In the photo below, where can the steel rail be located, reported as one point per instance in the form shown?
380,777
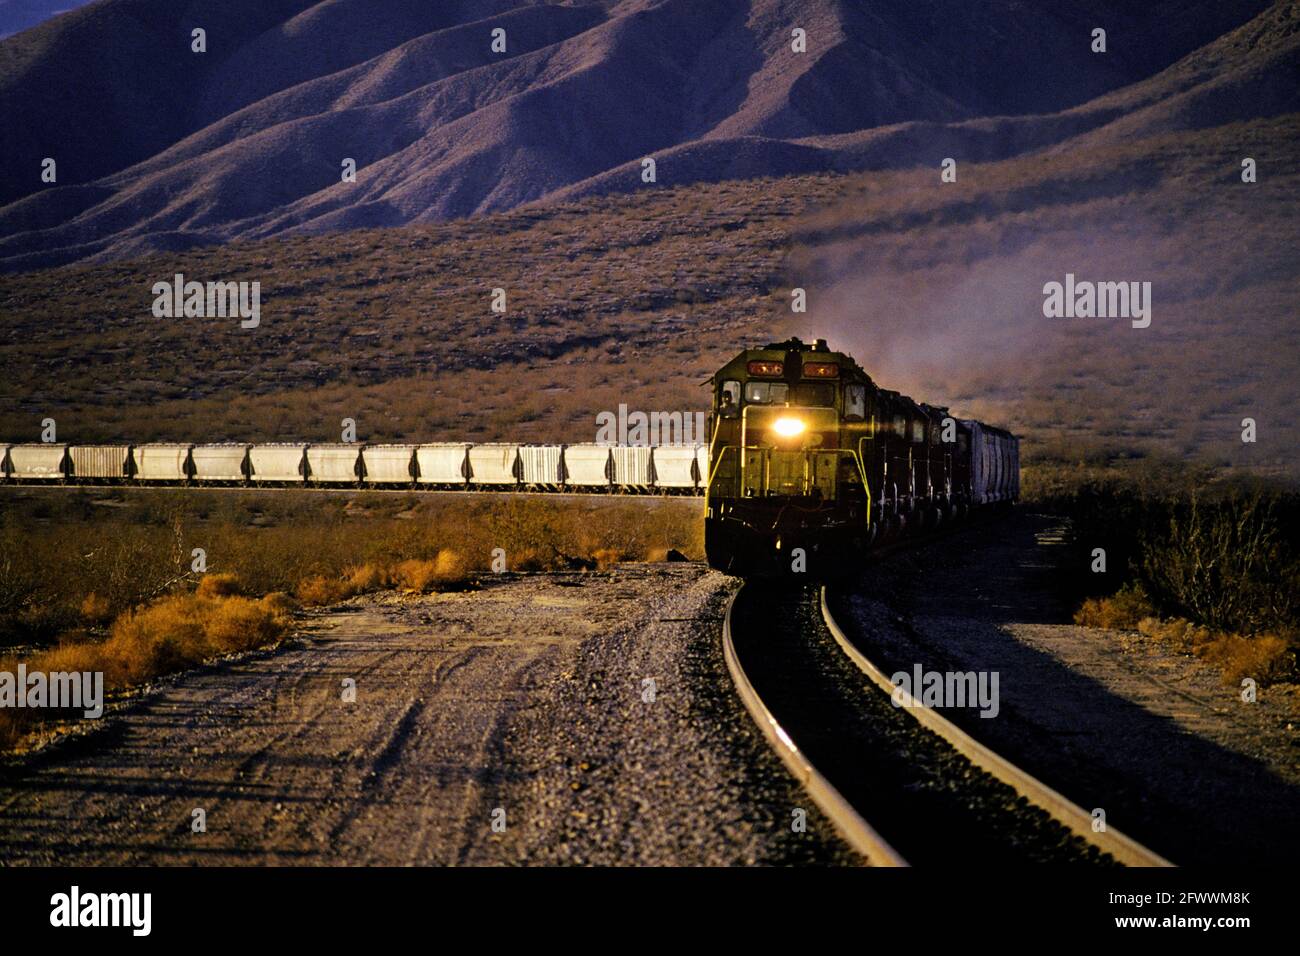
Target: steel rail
1123,848
855,830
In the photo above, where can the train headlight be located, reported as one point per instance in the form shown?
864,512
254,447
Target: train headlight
788,427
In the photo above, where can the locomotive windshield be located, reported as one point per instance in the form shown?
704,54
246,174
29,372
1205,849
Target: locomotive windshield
813,393
779,393
765,393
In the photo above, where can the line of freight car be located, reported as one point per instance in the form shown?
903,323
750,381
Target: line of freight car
628,469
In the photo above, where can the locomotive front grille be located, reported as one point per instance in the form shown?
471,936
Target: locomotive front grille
767,472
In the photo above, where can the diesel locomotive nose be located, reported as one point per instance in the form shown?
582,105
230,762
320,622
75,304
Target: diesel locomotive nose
811,463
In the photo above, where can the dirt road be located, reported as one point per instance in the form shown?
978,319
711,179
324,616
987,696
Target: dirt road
586,715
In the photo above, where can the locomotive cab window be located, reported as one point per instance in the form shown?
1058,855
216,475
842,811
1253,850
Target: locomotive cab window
855,401
729,399
765,393
820,394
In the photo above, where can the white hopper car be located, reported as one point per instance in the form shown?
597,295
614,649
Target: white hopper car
622,469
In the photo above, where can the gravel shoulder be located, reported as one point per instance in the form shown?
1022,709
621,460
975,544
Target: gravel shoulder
1111,719
590,713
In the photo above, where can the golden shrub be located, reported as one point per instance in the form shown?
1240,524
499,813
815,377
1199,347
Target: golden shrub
416,574
240,624
319,590
181,631
279,604
219,585
1264,657
365,577
166,636
69,657
1123,610
171,634
606,557
1177,632
451,567
96,609
526,560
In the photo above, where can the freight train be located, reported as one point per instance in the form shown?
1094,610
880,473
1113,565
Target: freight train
811,464
591,468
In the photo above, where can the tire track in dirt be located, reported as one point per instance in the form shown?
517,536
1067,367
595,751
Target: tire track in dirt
451,690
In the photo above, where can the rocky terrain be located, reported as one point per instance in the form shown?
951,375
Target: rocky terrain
588,715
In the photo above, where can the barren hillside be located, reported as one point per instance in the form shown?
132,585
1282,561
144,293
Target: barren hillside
159,147
625,292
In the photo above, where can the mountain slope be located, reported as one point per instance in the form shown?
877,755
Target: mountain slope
161,148
17,15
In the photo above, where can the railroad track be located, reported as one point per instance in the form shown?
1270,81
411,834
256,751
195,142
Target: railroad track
903,785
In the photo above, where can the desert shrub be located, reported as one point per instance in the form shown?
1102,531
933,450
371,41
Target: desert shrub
163,637
1124,609
526,560
171,634
241,624
451,568
182,630
1228,563
321,591
96,609
1267,658
448,570
1176,632
81,656
366,577
321,549
1229,560
280,604
219,585
416,574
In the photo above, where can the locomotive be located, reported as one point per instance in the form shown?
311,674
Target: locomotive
811,464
